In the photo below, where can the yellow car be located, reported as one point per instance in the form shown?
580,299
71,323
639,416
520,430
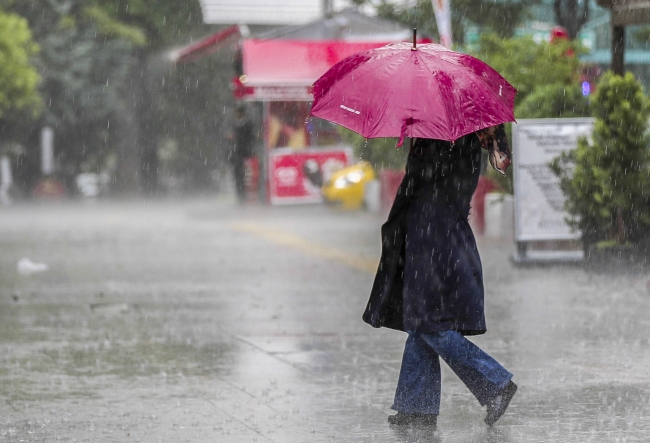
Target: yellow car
346,187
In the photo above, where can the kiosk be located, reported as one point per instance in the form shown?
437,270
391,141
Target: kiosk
278,68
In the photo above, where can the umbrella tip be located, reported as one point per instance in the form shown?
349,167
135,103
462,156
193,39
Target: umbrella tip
415,33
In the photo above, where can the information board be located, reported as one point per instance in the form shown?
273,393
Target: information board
539,202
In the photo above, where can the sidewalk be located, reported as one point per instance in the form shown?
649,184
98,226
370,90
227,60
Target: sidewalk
205,322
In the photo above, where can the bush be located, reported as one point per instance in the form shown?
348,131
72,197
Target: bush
606,182
554,101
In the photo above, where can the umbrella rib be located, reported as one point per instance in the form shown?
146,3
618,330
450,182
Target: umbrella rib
393,79
423,60
499,101
477,81
453,79
432,73
505,84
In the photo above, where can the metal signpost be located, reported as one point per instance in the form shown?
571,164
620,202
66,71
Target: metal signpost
539,202
47,151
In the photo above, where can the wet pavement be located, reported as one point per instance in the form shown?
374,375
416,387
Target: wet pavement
201,321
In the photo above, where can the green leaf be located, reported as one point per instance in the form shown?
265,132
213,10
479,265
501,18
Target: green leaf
111,27
18,77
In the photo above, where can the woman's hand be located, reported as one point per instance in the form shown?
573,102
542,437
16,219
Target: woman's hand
499,160
495,141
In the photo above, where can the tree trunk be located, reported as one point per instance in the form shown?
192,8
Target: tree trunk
148,135
569,15
618,49
621,234
124,135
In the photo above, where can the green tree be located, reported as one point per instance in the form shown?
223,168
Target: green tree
113,96
82,71
529,65
493,16
606,182
153,24
18,77
500,17
161,24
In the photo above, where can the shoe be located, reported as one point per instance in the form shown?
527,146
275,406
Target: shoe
404,419
498,405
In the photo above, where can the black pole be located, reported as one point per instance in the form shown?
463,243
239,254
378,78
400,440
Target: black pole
415,33
618,49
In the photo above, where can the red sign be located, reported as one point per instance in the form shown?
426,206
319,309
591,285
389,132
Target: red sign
297,176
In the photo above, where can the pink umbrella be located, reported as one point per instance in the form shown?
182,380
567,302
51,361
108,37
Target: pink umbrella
402,90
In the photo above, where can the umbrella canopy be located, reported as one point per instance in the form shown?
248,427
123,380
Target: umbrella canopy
426,91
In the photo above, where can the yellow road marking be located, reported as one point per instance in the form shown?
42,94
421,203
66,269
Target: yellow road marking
305,246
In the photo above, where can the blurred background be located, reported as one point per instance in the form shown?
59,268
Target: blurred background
121,98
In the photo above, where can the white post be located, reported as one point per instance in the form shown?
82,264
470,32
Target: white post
442,11
6,180
47,151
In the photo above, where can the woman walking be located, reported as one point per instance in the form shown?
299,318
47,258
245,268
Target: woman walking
430,281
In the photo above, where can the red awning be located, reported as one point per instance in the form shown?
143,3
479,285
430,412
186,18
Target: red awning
278,69
207,46
294,62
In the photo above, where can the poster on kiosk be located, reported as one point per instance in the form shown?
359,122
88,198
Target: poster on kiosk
297,170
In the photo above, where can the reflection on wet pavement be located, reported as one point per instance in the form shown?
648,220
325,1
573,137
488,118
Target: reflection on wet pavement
163,322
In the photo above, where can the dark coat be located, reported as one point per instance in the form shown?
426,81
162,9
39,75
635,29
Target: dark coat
430,277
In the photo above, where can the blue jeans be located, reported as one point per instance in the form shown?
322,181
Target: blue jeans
418,387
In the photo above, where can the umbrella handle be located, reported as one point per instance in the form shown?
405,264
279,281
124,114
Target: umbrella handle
415,32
